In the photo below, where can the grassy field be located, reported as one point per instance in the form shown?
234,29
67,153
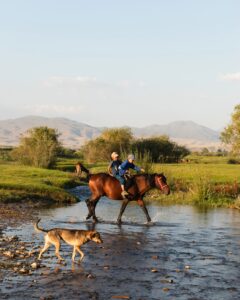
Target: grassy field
21,182
202,180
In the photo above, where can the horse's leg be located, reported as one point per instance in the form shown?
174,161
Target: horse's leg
91,204
124,205
93,209
142,205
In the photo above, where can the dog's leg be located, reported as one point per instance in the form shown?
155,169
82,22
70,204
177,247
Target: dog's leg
74,253
46,246
80,252
57,246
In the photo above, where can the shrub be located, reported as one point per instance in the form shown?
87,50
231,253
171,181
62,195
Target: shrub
38,148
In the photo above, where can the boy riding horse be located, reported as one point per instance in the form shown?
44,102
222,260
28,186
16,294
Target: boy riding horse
119,170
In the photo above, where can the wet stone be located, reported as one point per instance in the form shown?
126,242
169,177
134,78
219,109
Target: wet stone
90,276
154,270
120,297
34,265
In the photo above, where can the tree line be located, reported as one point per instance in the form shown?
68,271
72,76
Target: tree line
40,147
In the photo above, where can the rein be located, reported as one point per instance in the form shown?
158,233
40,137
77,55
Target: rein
162,186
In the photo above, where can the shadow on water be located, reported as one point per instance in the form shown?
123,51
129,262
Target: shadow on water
184,254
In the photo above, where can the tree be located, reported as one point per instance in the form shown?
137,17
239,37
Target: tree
39,147
114,139
160,149
231,134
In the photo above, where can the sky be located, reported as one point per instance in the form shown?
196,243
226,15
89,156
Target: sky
117,63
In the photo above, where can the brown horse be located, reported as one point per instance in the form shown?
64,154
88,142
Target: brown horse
102,184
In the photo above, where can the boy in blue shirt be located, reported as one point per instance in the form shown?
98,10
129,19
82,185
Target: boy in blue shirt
123,168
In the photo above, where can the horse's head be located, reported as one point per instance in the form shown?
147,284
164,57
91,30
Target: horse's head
161,183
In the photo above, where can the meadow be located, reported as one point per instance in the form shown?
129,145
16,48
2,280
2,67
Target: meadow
18,182
202,180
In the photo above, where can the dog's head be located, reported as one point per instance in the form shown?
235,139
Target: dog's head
95,237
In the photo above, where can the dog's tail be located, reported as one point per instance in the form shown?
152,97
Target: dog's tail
37,228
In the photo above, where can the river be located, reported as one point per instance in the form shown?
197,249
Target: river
187,253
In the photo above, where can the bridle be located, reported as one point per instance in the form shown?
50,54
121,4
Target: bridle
158,181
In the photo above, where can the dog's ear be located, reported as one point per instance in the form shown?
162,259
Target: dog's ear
92,234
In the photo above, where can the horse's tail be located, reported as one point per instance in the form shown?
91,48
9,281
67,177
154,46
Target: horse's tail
37,228
84,169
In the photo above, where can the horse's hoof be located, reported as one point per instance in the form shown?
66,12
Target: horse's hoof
149,223
95,220
119,222
88,217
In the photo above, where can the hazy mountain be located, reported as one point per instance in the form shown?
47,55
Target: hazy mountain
180,129
74,134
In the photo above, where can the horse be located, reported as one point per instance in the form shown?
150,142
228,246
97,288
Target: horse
103,184
79,168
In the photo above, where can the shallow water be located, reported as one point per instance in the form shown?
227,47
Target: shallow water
194,253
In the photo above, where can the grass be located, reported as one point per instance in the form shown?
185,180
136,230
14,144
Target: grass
204,181
22,182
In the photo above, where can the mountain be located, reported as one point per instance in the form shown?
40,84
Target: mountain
187,133
74,134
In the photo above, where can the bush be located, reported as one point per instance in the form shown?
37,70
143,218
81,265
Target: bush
160,149
38,148
233,161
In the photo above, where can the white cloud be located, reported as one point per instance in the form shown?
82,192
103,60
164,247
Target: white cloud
231,76
59,109
90,81
69,81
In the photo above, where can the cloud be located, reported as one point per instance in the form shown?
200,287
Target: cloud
90,81
59,109
231,76
54,81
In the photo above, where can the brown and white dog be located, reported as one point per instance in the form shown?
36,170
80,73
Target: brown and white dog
73,237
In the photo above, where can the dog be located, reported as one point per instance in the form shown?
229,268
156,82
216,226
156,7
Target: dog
73,237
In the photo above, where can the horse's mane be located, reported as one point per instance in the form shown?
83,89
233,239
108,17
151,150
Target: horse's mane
148,177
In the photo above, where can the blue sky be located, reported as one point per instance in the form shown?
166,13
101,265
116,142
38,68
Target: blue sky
115,63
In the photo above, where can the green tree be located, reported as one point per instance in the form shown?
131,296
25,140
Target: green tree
39,147
231,134
114,139
160,149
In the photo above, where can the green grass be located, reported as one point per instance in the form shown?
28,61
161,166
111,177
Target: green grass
205,181
22,182
211,184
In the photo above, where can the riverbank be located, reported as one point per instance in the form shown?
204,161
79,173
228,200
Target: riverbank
22,183
211,182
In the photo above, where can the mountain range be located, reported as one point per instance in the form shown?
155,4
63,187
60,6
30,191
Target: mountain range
74,134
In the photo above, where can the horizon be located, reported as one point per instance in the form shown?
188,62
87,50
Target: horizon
109,64
124,125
